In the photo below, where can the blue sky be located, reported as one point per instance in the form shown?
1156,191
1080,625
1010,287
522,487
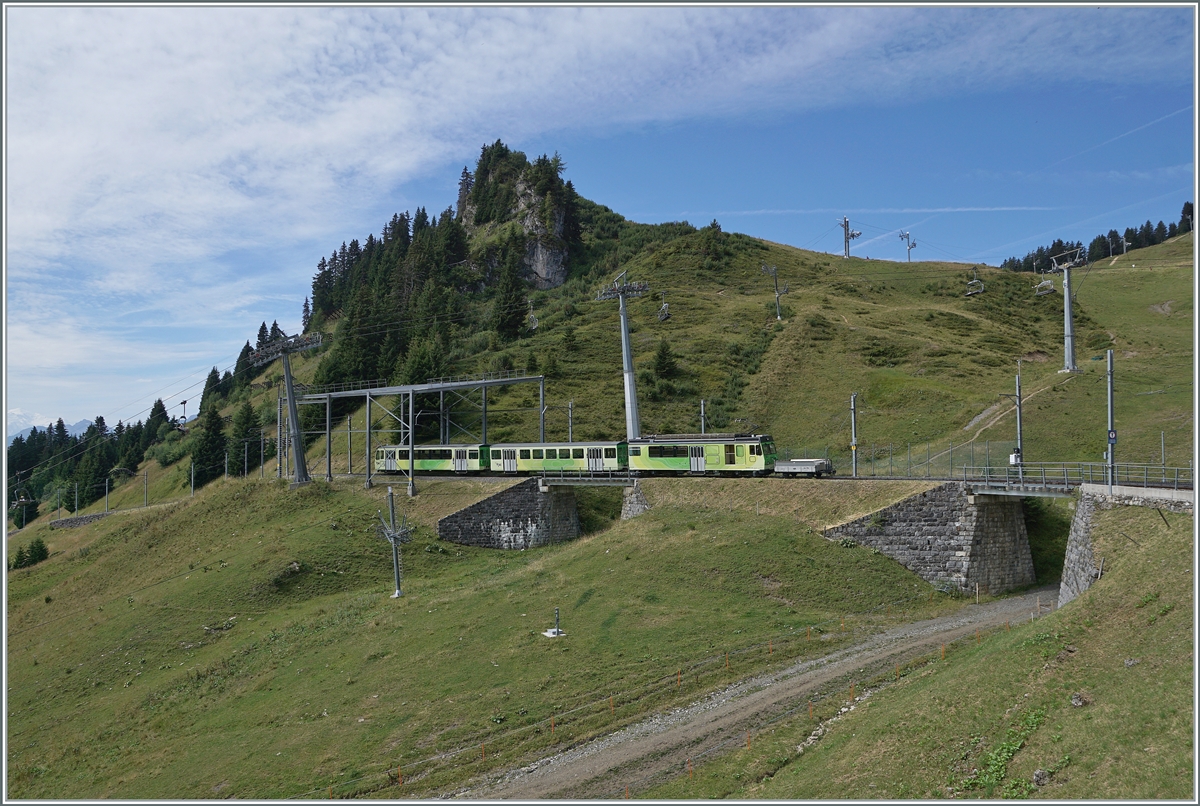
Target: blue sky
173,175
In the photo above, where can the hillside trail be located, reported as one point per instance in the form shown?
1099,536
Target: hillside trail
662,744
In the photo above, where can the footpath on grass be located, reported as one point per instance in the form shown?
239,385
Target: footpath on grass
638,756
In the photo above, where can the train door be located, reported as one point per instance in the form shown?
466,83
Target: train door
460,460
696,458
510,460
389,460
595,458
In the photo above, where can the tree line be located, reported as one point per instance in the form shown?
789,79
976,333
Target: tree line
1105,245
48,466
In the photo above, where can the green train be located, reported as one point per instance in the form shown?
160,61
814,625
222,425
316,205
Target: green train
660,454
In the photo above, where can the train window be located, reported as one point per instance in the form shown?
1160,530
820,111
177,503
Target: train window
655,452
610,453
635,450
741,450
577,453
537,453
524,453
496,455
551,453
730,455
472,454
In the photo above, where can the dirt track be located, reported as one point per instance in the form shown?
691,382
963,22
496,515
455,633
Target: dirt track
660,745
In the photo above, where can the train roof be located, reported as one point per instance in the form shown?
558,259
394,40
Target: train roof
576,444
697,438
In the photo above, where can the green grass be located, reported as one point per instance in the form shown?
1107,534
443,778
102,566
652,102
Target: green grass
979,723
309,675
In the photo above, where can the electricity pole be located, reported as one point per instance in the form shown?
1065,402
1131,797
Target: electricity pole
909,243
771,270
1112,430
853,435
396,536
850,234
1018,455
619,291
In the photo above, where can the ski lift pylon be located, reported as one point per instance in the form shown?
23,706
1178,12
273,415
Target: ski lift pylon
533,322
664,313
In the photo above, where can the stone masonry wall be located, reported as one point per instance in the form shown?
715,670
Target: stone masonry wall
633,502
72,523
949,539
1079,567
520,517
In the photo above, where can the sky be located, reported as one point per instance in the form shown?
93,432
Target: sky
174,174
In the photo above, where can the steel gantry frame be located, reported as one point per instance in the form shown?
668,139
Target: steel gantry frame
405,414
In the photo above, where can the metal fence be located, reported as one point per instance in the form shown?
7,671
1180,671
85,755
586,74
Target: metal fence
1072,474
938,460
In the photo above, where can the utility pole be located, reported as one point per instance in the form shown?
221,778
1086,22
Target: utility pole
570,421
1112,429
193,479
1018,455
702,423
853,435
850,234
909,243
76,498
619,290
774,274
396,536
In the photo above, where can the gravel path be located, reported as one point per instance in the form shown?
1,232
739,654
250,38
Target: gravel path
661,744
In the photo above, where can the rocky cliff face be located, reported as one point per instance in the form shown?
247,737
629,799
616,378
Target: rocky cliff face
545,249
543,225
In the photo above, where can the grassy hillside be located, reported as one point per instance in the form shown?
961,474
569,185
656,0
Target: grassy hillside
243,643
979,723
925,360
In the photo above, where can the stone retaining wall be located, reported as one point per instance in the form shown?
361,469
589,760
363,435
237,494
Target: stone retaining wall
520,517
634,502
73,523
950,538
1079,567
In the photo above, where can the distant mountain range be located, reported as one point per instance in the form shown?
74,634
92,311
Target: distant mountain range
74,430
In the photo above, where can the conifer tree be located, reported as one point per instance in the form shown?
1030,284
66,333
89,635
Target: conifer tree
243,370
276,333
305,316
509,308
211,390
665,365
1185,218
37,551
263,336
246,432
208,451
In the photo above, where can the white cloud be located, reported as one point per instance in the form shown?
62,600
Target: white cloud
149,150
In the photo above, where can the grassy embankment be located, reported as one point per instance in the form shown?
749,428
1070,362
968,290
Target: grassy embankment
979,723
243,642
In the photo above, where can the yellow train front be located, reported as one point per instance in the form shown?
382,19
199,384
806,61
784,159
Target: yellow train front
718,454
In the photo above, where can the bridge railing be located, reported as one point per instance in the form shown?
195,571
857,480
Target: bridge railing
1072,474
613,477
